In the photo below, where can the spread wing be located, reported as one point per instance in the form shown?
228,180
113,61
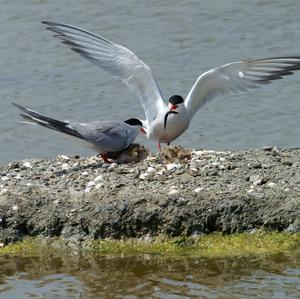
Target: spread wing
237,77
116,60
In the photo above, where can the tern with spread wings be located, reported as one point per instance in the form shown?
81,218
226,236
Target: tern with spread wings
165,122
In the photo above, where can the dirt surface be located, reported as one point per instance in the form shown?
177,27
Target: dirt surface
181,192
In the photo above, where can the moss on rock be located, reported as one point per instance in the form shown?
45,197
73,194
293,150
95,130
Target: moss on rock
213,245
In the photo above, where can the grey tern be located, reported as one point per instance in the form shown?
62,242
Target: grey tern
107,137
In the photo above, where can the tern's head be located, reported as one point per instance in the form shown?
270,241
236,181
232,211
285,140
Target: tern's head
174,102
136,123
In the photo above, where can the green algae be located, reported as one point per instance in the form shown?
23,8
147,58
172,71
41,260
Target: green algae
213,245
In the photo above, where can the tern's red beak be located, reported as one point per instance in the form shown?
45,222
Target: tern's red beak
143,131
172,107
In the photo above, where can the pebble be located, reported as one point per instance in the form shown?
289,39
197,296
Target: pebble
63,157
143,176
1,245
15,208
199,189
27,165
161,171
258,182
255,180
85,173
90,184
98,186
113,165
198,153
151,170
5,178
105,165
65,166
172,166
194,171
87,189
173,193
271,185
98,178
3,191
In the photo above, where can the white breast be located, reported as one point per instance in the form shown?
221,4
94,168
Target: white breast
176,125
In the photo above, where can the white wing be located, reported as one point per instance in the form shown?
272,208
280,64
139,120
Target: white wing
116,60
236,77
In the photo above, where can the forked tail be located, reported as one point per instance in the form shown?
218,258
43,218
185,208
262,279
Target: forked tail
45,121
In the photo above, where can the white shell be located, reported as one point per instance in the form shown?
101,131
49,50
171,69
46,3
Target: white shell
65,166
27,165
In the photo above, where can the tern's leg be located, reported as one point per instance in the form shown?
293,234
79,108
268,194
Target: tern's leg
158,146
104,157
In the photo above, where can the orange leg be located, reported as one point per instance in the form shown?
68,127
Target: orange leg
104,157
158,146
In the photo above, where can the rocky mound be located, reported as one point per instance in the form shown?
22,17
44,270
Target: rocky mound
179,192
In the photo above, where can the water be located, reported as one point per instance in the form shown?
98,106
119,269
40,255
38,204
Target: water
148,276
178,39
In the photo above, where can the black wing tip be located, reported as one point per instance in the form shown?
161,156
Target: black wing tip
26,116
53,26
278,57
19,106
15,104
50,23
80,51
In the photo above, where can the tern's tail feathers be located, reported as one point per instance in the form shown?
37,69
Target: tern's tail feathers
45,121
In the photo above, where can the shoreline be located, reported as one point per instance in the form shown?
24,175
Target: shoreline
214,245
182,193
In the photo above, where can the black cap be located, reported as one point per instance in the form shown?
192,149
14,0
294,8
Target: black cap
133,122
174,100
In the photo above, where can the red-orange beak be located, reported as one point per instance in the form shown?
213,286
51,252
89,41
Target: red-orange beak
143,131
172,107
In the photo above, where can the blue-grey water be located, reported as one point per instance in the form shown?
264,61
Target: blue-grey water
179,40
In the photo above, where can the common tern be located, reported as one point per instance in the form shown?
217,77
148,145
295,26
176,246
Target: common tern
107,137
166,122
